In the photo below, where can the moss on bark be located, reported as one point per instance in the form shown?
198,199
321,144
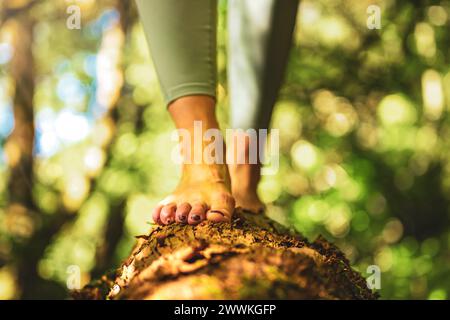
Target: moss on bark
251,258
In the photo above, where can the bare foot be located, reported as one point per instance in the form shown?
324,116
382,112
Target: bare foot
244,177
204,191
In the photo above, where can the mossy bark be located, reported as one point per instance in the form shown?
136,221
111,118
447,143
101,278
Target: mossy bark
251,258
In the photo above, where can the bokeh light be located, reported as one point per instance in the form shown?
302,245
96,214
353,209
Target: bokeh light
364,140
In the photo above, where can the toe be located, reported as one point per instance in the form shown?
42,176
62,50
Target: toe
218,216
182,212
222,208
156,215
197,213
167,215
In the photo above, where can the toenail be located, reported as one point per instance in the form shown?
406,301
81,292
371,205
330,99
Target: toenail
196,217
182,218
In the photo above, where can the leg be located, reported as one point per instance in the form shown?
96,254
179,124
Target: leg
182,41
260,39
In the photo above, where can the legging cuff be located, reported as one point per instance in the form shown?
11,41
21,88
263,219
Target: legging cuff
189,89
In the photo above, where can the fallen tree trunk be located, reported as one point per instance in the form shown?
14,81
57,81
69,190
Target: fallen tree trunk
252,258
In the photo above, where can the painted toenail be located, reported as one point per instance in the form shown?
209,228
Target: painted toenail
196,217
182,218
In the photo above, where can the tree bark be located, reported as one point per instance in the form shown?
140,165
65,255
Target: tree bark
251,258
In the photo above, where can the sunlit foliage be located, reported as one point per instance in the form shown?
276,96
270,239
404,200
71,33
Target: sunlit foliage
363,120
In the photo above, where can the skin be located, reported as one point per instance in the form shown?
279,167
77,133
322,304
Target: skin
206,191
244,177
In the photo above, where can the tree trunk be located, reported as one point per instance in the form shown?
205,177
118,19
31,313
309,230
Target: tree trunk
252,258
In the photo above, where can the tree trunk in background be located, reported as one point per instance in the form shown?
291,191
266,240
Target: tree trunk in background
252,258
21,211
115,223
19,146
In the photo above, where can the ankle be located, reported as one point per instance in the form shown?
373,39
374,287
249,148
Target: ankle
201,172
186,110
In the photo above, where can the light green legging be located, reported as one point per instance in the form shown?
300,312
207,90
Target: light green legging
182,40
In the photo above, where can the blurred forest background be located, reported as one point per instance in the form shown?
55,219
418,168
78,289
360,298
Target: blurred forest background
364,124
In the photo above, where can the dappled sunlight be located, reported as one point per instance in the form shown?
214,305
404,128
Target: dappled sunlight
433,96
363,119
